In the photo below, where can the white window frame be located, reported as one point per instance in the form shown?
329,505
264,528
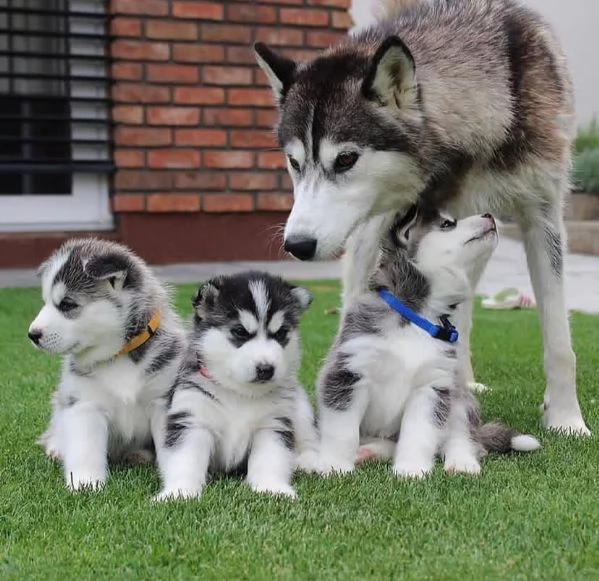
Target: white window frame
88,205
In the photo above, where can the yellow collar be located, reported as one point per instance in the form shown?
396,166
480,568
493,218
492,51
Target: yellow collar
144,336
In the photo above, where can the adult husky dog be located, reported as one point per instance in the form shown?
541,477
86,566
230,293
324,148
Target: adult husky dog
121,342
462,104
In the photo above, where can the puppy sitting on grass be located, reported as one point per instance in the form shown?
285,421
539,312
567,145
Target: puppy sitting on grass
237,404
111,320
390,381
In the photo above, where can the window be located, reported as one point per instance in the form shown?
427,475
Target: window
54,115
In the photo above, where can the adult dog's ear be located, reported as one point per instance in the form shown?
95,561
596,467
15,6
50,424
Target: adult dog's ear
391,78
279,70
206,296
113,267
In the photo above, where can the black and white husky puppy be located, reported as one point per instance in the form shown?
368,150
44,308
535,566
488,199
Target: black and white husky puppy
112,321
392,372
237,404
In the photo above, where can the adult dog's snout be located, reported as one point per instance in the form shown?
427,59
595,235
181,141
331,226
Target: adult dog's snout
302,247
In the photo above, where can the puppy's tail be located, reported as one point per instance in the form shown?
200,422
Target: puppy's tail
385,9
500,439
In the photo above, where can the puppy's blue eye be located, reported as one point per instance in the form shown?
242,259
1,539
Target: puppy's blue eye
67,305
240,332
448,225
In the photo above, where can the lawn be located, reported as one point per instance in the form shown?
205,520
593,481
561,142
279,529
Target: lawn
526,517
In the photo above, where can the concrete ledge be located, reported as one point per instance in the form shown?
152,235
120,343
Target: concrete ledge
583,236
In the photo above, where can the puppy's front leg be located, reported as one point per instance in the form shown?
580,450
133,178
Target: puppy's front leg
421,431
271,462
84,445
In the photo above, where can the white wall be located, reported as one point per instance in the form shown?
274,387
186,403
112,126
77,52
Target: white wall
575,21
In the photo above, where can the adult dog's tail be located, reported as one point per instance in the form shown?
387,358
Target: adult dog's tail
385,9
498,438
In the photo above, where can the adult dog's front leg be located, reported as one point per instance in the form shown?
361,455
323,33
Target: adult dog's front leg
84,445
544,239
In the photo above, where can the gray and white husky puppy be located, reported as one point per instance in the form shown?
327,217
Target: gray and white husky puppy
392,372
460,104
237,404
112,321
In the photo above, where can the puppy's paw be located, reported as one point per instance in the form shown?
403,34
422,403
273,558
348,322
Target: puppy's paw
273,487
476,387
412,469
331,467
50,446
169,494
307,461
85,480
463,465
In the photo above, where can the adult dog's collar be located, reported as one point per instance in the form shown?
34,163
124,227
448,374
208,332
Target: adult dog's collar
444,332
143,337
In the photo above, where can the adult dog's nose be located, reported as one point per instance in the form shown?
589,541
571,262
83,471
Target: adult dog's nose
35,336
302,247
264,372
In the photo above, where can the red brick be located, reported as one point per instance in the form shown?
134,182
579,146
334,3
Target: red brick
200,137
128,114
241,55
129,158
251,13
169,30
252,180
260,78
304,17
143,180
228,203
135,50
226,33
173,116
266,118
229,159
331,3
200,180
256,97
141,7
286,183
201,10
140,93
322,39
256,138
127,71
198,53
142,136
129,203
174,158
280,36
227,75
173,203
274,202
125,27
272,160
199,95
286,2
228,117
342,20
184,74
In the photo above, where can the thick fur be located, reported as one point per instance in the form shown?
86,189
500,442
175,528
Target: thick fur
98,295
386,379
461,104
246,409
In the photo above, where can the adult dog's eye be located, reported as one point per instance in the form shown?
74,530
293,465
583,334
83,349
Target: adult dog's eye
345,161
67,305
448,224
240,332
294,163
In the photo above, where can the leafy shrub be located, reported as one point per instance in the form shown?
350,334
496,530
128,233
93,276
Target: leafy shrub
585,173
587,139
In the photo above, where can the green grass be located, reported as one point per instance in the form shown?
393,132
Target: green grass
526,517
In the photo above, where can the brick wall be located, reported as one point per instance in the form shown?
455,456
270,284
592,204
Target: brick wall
193,113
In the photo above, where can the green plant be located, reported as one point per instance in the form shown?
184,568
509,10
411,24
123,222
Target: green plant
585,173
587,138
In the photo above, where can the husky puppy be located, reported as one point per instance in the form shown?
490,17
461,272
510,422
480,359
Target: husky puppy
121,342
237,404
392,370
460,104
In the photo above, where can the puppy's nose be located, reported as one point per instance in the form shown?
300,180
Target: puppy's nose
489,217
35,336
264,372
302,247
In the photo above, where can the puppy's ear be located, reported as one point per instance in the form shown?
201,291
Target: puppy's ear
391,78
41,269
279,70
303,296
206,296
398,235
113,267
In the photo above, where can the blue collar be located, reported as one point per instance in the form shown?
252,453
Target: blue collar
445,332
